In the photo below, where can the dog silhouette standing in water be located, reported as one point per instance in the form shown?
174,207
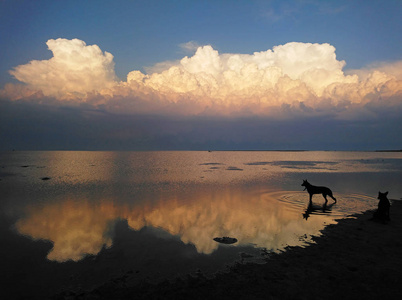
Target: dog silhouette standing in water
312,189
382,213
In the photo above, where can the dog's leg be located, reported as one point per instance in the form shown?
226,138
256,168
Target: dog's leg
325,197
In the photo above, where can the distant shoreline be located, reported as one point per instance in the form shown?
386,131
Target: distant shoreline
388,151
201,150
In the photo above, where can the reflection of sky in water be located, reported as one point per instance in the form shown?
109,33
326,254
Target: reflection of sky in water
193,196
184,167
82,227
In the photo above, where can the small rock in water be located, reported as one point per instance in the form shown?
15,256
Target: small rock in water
225,240
45,178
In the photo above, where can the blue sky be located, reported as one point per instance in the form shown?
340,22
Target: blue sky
142,33
139,34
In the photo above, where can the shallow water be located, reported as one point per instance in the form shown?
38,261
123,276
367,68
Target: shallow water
69,215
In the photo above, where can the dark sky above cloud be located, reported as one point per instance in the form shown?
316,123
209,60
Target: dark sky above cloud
27,126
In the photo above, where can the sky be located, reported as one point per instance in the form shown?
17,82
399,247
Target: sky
201,75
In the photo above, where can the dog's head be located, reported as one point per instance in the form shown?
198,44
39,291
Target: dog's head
382,195
305,184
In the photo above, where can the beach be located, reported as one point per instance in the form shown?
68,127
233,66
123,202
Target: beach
357,258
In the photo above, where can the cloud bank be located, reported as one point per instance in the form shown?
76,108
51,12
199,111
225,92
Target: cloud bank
207,100
74,70
300,78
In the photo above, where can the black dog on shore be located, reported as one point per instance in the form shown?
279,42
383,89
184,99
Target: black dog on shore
382,212
312,189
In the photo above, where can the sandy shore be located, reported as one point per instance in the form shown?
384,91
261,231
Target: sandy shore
354,259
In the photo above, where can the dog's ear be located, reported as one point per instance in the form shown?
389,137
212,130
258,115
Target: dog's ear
386,193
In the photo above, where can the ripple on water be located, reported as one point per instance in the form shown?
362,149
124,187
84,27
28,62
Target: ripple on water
346,205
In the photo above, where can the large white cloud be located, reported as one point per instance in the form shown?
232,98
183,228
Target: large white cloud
74,70
307,67
294,74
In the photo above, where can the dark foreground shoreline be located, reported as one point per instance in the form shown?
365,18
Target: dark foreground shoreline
354,259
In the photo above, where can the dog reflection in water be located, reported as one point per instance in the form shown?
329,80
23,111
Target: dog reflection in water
313,209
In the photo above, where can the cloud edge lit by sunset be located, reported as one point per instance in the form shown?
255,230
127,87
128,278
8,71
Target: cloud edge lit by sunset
301,76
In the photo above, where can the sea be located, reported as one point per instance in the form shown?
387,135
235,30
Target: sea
71,221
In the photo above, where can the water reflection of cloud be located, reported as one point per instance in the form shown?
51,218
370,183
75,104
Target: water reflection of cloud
77,228
77,167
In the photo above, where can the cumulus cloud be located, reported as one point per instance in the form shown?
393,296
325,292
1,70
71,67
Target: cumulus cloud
74,70
390,68
301,77
190,46
284,68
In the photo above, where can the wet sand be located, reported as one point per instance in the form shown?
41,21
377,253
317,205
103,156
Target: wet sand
355,259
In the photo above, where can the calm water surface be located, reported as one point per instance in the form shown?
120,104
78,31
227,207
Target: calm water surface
73,220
